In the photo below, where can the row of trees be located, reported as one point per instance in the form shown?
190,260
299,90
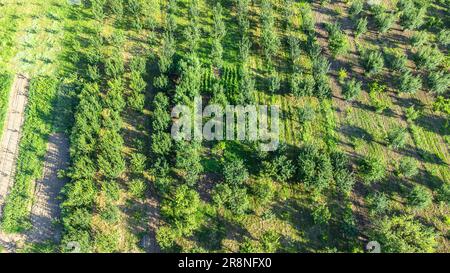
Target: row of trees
97,160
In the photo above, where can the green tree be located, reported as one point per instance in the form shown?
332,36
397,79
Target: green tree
408,83
403,234
439,82
372,169
352,89
372,62
419,197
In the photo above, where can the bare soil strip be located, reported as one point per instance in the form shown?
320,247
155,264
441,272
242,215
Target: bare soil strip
45,207
10,145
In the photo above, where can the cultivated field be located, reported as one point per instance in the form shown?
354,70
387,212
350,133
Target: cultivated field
363,91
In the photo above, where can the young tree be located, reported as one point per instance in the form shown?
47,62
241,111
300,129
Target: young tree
314,168
412,13
372,62
408,167
217,36
356,8
378,204
182,210
337,40
188,161
408,83
361,26
420,197
270,41
397,137
428,57
352,89
439,82
372,169
384,19
396,60
403,234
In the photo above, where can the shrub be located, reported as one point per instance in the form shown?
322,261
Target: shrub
306,114
411,113
321,214
397,137
372,62
419,197
137,188
444,37
314,168
428,57
408,167
443,193
439,82
342,75
409,83
396,60
274,81
337,40
385,20
403,234
372,169
356,8
344,180
280,168
302,85
137,164
378,204
361,26
352,89
412,16
419,38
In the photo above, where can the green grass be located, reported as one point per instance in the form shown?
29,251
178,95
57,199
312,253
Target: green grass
5,88
33,147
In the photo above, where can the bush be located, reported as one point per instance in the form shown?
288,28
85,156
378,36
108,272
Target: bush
306,114
412,16
351,89
137,164
428,57
321,214
137,188
403,234
372,62
361,26
409,83
444,37
396,60
439,81
443,193
337,40
378,204
408,167
314,168
419,197
356,8
302,85
419,38
385,20
397,137
372,169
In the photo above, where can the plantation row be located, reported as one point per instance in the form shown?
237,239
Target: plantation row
5,88
37,127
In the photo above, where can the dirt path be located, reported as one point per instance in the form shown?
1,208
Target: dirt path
10,144
45,207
